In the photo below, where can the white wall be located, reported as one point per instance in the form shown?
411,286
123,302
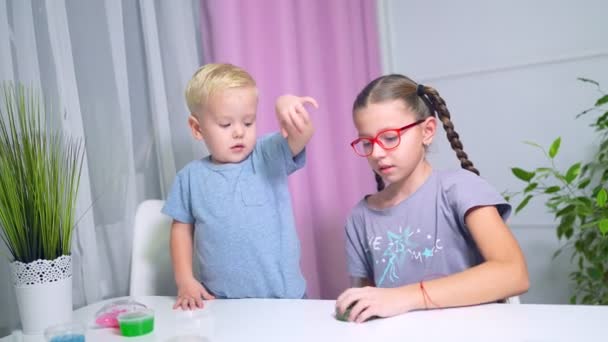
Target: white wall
507,70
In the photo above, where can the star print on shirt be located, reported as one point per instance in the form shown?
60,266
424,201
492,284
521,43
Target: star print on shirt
400,246
427,253
397,246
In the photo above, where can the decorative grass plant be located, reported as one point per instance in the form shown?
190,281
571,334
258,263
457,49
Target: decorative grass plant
40,170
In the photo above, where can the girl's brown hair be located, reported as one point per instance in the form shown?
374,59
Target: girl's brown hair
424,101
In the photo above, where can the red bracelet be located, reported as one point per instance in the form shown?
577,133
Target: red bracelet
425,296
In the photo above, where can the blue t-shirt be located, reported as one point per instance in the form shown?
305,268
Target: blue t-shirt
244,231
424,236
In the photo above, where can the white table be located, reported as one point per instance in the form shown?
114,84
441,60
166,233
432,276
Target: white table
313,320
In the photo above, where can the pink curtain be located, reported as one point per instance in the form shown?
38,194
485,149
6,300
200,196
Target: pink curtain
325,49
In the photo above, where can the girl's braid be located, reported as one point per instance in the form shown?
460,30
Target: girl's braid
444,116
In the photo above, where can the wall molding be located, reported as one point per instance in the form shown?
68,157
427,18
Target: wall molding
543,61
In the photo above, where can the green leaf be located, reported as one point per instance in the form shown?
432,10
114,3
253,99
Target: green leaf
561,231
601,100
573,172
600,122
573,300
530,187
554,202
568,220
601,198
523,203
579,246
522,174
552,189
584,211
587,299
589,224
583,201
555,147
603,226
565,227
604,117
594,273
565,210
605,175
583,184
533,144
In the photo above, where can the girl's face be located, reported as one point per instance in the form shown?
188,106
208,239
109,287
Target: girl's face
397,164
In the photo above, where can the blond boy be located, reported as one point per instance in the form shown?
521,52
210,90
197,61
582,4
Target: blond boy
232,210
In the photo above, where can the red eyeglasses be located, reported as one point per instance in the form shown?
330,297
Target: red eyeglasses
388,139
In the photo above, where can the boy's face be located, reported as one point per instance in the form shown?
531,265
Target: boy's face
227,124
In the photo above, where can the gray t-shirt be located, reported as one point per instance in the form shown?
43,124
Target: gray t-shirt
244,229
424,236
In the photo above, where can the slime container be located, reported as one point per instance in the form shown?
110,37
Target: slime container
106,317
67,332
136,323
344,316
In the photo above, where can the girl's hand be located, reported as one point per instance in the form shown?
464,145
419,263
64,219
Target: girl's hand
293,116
372,301
190,294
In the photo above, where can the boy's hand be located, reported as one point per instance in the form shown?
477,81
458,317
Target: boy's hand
371,301
292,115
190,294
294,120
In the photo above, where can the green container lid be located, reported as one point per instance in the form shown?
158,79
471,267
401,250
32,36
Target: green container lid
344,316
136,323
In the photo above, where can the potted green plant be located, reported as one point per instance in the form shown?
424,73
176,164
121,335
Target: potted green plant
40,172
578,199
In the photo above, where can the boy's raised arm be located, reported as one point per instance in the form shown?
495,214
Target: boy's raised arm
294,120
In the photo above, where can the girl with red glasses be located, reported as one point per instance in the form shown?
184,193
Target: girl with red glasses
427,238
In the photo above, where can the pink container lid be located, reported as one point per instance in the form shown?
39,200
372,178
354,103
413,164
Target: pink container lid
107,316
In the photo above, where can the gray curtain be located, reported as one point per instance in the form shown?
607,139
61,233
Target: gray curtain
114,71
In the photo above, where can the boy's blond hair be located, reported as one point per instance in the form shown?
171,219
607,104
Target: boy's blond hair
214,77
